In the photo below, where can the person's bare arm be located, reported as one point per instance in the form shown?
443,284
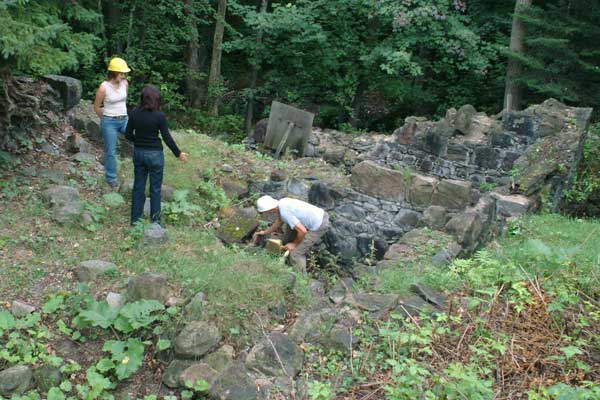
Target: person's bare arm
300,233
100,93
274,226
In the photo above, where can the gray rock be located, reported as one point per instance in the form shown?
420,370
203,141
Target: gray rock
445,256
60,195
511,206
316,288
87,122
196,372
196,307
276,355
227,168
84,158
452,194
91,269
75,144
70,89
114,300
221,359
486,157
377,181
341,289
234,188
340,338
68,214
322,196
148,286
176,367
374,248
297,187
428,294
421,190
47,377
196,339
234,384
155,235
351,212
260,130
463,118
413,306
49,149
15,380
407,219
20,309
434,217
65,203
56,177
374,302
311,325
466,227
239,226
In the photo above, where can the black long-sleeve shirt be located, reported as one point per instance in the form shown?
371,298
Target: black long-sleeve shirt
143,128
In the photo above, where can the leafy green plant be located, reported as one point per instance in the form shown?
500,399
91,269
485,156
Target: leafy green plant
320,390
213,198
180,209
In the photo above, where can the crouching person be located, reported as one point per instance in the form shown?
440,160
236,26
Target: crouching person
308,222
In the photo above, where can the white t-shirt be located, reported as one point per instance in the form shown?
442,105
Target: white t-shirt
293,211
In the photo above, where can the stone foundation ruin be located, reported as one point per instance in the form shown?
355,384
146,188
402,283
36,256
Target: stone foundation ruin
463,175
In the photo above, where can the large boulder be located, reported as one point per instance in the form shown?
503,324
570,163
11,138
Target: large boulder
421,190
452,193
512,205
196,339
239,226
553,159
86,121
234,383
148,286
47,377
173,372
70,89
65,203
15,380
466,228
276,355
377,181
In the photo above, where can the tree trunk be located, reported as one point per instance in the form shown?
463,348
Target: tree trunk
130,30
254,76
113,16
215,64
512,92
192,84
103,29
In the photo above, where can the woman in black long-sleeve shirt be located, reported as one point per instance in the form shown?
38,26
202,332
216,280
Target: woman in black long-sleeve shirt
143,127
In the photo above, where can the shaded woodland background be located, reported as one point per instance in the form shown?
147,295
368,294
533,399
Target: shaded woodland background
359,64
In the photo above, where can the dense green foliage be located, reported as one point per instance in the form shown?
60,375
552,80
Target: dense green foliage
360,63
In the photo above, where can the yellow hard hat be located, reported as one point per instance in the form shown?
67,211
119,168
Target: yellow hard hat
118,65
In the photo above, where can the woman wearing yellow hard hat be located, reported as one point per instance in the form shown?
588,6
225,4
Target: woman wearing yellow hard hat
111,106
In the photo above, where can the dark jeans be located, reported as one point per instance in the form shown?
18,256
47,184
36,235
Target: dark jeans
147,162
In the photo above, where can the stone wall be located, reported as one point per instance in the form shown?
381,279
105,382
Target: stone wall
429,174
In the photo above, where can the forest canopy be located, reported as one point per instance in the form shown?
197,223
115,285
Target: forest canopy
358,64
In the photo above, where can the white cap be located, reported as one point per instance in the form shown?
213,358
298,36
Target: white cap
266,203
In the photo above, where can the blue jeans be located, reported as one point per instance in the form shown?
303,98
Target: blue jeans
111,128
147,162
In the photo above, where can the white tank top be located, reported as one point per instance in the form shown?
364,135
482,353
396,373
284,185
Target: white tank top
115,99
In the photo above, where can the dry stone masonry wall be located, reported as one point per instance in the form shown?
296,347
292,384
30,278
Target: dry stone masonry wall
437,174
